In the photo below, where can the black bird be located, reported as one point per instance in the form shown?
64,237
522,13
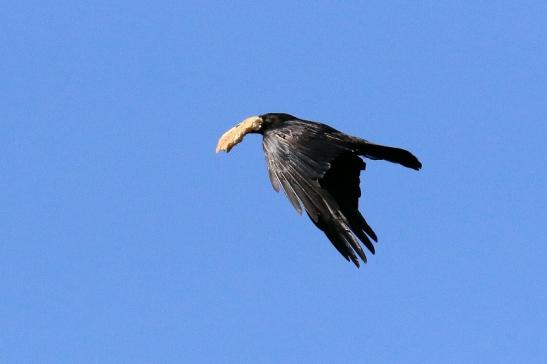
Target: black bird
318,167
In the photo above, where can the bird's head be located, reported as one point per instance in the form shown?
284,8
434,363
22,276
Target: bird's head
253,124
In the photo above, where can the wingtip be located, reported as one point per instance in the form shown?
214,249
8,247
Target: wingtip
413,163
357,262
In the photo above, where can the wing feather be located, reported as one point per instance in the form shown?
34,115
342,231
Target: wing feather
321,175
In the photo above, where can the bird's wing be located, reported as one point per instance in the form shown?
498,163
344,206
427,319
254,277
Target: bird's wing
321,175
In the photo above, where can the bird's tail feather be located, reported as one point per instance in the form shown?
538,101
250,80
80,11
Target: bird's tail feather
390,154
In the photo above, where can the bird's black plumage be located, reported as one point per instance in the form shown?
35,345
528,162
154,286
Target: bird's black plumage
318,167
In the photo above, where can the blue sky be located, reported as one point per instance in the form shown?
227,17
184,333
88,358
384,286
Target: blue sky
125,239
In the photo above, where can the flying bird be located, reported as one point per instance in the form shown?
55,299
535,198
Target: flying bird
318,167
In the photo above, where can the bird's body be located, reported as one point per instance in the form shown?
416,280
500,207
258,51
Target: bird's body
318,167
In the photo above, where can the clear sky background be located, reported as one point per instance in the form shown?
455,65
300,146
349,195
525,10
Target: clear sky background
125,239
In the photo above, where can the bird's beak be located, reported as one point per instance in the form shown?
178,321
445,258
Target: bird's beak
235,135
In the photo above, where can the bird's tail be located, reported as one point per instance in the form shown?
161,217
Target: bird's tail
390,154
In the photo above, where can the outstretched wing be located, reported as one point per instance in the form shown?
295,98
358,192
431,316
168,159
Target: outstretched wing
319,173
